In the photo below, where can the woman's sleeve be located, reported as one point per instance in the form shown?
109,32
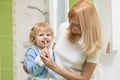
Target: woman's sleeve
95,58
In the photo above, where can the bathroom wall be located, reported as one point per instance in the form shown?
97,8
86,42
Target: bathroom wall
62,10
110,66
109,15
58,12
72,2
13,47
6,50
25,15
105,14
115,24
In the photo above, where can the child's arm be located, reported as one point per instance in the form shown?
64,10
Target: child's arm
39,61
31,65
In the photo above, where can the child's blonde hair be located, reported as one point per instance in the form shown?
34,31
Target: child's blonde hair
41,26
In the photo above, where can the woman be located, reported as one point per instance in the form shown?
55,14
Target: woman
78,45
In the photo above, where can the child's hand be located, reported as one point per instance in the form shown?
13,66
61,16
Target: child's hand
45,52
45,44
45,49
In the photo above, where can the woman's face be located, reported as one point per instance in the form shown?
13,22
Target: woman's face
75,28
43,39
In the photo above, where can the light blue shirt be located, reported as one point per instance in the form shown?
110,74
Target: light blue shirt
34,68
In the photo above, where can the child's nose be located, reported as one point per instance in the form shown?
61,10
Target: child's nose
45,36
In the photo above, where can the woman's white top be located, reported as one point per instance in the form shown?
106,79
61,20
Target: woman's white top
68,55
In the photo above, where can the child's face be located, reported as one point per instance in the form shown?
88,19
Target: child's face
43,38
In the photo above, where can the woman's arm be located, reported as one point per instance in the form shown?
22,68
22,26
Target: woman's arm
86,73
67,74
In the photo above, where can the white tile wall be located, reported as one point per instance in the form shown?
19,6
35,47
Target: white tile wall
23,19
110,66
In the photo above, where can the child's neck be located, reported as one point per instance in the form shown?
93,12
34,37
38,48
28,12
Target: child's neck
42,48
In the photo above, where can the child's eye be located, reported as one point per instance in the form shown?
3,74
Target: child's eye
48,35
41,34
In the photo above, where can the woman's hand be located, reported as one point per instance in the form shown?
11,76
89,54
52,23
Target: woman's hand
48,61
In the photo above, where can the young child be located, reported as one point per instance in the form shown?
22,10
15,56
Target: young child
41,36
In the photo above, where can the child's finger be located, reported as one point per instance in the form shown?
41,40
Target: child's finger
45,43
43,57
45,52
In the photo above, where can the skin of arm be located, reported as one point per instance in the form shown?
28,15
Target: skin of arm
86,73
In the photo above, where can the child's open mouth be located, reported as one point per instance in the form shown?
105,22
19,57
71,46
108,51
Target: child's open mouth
45,42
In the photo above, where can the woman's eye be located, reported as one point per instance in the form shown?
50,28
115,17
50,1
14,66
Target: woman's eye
75,25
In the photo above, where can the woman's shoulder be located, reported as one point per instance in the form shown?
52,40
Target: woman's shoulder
65,24
61,31
63,27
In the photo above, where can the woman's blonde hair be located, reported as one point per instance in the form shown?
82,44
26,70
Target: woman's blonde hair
85,14
41,26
